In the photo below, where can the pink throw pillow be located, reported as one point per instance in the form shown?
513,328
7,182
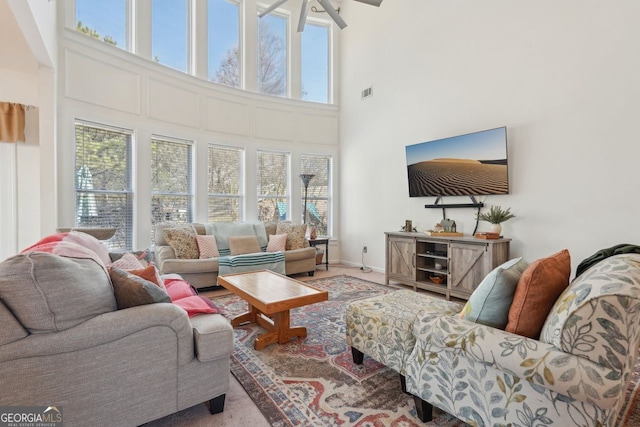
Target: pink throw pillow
277,242
179,289
207,246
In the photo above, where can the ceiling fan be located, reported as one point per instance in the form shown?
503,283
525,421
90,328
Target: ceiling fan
304,10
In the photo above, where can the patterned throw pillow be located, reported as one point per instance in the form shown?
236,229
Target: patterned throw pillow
538,289
183,242
277,243
295,234
489,304
207,246
127,261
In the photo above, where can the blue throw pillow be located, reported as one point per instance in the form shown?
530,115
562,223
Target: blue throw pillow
489,304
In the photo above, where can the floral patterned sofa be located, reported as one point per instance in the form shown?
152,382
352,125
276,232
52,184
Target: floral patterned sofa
574,374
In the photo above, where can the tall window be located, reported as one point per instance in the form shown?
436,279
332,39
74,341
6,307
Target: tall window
104,20
224,39
318,192
171,181
315,63
103,181
170,33
272,176
272,55
226,195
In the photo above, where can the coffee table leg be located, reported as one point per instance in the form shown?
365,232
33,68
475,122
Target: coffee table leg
285,331
247,317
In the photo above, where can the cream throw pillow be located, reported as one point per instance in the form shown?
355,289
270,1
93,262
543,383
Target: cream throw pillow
240,245
295,234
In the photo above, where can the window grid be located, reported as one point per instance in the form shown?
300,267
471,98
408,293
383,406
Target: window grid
104,196
225,183
171,182
272,175
318,192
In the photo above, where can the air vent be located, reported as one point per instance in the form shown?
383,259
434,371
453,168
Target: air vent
368,92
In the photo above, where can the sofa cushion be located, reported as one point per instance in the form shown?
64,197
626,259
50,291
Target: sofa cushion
131,290
489,304
240,245
295,234
207,247
212,336
48,292
277,242
538,289
182,240
11,329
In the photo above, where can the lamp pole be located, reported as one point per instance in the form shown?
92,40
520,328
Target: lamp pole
306,179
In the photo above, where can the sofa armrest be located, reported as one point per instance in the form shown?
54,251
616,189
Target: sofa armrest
213,336
105,328
543,365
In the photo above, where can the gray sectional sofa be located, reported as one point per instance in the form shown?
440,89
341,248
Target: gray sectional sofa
202,273
64,343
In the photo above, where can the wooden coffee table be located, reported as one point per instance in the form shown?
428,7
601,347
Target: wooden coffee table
270,297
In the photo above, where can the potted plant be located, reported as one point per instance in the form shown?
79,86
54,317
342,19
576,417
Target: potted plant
496,216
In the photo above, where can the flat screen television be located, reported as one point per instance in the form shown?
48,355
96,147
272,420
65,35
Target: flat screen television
466,165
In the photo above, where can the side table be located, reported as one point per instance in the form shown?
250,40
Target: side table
322,241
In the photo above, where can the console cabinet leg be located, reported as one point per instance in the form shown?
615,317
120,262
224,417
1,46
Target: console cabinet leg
403,384
358,356
424,409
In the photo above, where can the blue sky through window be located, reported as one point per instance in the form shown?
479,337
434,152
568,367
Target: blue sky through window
107,17
223,27
169,33
315,63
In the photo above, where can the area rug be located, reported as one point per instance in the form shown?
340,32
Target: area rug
313,381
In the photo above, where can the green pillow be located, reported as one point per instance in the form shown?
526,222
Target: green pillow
489,304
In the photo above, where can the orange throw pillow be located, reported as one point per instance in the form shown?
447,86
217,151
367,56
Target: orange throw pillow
538,290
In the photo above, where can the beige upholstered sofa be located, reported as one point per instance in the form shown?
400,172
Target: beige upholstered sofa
64,343
203,273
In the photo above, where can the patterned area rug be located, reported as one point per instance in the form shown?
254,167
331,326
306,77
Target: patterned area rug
313,381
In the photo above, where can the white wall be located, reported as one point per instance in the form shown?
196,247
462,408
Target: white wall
563,78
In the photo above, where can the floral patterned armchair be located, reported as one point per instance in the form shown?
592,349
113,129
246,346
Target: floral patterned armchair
575,374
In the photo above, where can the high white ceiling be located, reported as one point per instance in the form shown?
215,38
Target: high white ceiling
15,53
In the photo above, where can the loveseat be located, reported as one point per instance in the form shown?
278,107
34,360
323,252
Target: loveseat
64,343
203,273
574,373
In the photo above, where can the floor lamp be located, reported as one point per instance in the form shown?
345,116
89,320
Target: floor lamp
306,179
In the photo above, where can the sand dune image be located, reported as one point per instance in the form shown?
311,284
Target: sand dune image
457,177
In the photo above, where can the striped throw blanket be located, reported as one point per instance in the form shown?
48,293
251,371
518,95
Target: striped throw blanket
273,261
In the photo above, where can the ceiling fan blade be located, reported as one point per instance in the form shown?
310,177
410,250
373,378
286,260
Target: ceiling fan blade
304,10
271,8
371,2
332,13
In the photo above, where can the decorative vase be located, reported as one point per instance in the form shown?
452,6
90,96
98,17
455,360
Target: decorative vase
313,233
496,228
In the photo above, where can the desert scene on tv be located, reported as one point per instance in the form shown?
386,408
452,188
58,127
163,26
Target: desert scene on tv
472,164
